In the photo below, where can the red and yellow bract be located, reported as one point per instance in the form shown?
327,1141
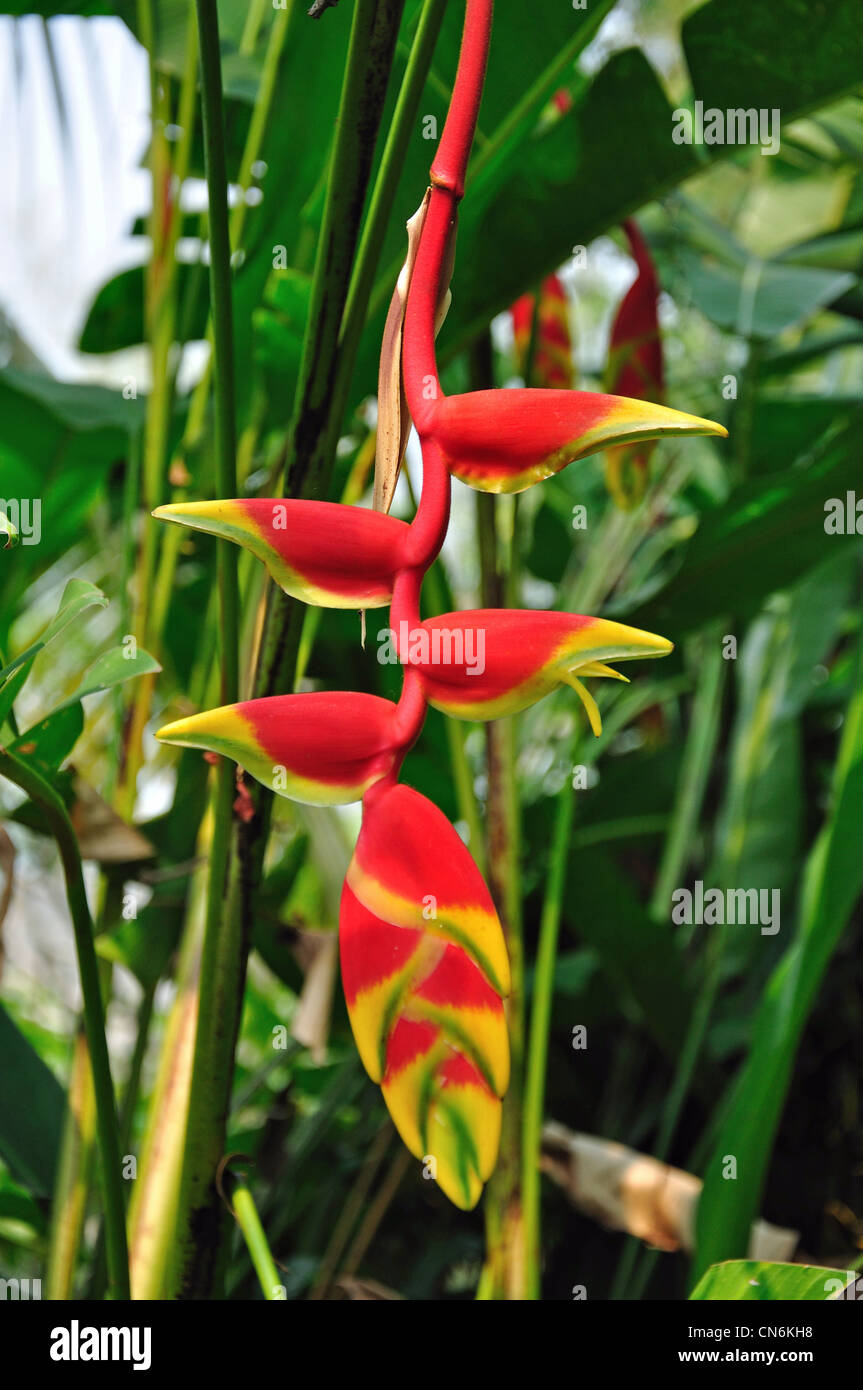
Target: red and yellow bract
507,659
320,552
324,748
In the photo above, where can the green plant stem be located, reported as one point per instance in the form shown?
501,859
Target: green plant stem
506,1257
46,798
224,949
697,761
74,1173
223,328
537,1047
249,1222
384,192
160,316
193,431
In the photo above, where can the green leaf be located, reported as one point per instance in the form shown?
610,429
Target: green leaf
18,1208
752,1280
762,299
613,152
638,954
108,670
32,1106
769,533
832,882
78,596
115,319
79,406
760,820
786,428
51,740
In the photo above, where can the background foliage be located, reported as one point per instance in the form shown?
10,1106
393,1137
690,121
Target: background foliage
743,773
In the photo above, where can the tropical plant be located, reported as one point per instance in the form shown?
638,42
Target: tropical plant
511,901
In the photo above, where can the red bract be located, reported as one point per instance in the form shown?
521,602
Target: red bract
493,662
320,552
503,441
425,967
324,747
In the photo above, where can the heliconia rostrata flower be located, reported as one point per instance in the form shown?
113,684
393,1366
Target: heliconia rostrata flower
635,368
424,959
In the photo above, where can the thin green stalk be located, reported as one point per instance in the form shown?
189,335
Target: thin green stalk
51,805
74,1174
252,27
160,314
506,1256
697,762
223,327
223,957
374,30
384,192
537,1047
249,1222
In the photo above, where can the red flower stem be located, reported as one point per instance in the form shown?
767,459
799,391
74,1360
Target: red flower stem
429,526
422,384
450,161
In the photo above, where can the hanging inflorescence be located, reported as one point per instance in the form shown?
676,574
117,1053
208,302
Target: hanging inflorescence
423,957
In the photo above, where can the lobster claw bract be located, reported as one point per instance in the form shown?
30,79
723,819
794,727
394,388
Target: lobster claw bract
492,662
425,968
325,747
503,441
324,553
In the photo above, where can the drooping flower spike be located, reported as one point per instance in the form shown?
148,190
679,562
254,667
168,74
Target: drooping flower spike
424,958
493,662
635,368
